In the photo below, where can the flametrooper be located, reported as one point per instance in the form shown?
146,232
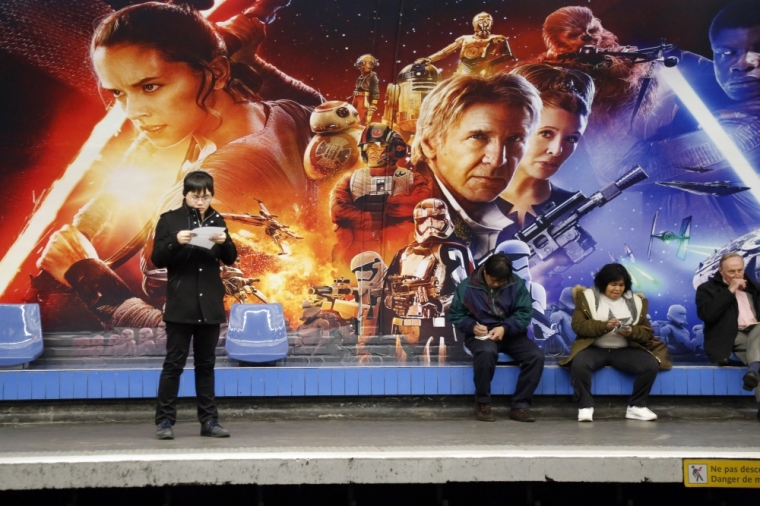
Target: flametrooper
372,207
519,253
420,285
369,270
367,88
478,53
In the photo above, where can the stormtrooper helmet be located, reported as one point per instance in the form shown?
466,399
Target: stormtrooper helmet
369,270
431,219
519,253
677,314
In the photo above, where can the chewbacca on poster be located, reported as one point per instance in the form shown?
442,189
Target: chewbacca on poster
617,82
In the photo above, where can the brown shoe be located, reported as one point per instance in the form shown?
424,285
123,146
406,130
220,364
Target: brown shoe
521,415
483,412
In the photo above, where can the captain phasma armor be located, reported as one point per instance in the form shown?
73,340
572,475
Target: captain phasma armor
480,53
420,285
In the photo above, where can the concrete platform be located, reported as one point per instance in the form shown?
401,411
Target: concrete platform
324,451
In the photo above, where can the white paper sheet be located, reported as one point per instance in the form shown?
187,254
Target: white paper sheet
203,236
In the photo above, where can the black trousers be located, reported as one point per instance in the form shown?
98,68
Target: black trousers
631,360
523,350
205,338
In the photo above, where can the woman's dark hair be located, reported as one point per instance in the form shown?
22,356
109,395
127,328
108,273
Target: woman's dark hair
499,267
181,35
568,89
610,273
198,181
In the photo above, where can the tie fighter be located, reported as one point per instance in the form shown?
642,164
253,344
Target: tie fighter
682,237
627,255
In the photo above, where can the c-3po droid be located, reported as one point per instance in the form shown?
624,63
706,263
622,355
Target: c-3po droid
480,53
420,286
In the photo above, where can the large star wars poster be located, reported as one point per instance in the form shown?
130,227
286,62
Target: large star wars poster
630,136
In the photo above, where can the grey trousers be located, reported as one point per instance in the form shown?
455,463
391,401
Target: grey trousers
747,349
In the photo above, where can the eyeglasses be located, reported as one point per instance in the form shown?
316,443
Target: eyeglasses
194,198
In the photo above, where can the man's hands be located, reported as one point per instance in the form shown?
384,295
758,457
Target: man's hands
612,323
65,247
185,236
737,284
495,334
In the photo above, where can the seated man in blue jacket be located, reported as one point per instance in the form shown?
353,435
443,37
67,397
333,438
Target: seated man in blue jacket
492,309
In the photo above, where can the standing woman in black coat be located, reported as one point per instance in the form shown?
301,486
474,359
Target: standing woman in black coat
194,301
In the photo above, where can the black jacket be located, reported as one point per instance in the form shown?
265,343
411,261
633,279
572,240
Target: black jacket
718,309
194,289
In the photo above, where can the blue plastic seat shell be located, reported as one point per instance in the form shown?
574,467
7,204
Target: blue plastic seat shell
20,334
257,333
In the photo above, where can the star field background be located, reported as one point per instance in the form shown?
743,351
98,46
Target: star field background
44,122
318,42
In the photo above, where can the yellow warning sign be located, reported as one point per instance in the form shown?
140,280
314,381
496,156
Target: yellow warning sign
721,473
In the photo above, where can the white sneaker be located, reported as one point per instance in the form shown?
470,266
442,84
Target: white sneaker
637,413
586,415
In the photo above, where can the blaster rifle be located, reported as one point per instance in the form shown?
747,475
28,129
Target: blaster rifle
559,228
409,284
542,326
592,55
338,290
411,291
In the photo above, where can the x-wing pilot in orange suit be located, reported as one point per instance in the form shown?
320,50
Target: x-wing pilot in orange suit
372,207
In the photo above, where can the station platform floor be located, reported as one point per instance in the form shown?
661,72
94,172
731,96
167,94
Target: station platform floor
409,446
